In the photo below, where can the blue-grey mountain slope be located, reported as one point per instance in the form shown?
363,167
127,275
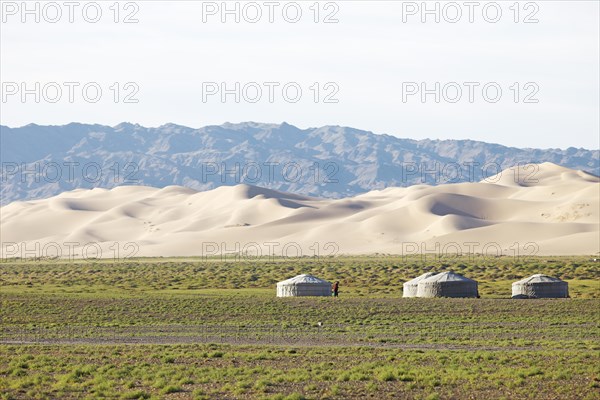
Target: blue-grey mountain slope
331,161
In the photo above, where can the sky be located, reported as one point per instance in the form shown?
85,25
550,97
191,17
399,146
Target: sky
521,74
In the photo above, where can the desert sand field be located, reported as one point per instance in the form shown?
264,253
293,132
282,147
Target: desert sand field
539,209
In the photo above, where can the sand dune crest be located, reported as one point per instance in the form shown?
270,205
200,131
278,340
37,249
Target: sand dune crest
544,207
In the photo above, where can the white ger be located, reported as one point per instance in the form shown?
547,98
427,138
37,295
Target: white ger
447,284
540,286
303,285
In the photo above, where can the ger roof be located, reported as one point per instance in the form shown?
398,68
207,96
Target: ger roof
304,279
448,276
538,278
420,278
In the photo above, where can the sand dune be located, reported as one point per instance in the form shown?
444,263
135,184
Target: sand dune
538,209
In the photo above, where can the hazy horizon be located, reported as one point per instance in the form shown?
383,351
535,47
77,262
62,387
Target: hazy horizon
369,65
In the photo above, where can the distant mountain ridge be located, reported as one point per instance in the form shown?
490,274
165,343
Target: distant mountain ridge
330,161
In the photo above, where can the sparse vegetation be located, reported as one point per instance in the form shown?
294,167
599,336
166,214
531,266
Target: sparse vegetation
203,329
359,276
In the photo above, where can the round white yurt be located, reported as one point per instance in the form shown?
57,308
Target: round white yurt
447,284
540,286
409,289
303,285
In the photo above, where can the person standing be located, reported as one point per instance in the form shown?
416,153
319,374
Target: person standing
335,288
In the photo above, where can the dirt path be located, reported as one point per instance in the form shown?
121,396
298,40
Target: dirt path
492,337
166,340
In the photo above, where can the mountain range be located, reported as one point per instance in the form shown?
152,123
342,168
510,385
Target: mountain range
330,161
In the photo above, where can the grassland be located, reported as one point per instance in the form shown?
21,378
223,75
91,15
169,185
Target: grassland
192,328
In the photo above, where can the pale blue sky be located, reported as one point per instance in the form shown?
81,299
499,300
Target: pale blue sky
368,54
